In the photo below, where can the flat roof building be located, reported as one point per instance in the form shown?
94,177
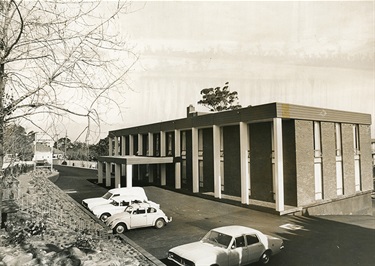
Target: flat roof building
290,158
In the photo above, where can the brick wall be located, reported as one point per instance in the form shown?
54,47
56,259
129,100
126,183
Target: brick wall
366,159
232,174
260,162
329,160
208,160
289,156
305,162
348,158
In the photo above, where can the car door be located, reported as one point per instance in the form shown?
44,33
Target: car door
138,218
239,252
255,247
151,216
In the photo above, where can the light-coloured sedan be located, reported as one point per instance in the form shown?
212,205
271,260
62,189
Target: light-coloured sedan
111,194
226,246
118,205
138,215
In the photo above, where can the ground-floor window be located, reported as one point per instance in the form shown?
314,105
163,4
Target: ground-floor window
183,172
222,174
201,179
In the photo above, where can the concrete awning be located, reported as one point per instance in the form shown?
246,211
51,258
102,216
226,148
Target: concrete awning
132,159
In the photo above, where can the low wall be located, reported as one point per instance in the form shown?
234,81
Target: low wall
76,163
357,205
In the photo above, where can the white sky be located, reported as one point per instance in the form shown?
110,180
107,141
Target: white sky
317,53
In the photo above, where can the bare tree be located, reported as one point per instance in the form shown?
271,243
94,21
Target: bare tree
59,58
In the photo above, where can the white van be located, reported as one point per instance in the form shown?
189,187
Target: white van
137,192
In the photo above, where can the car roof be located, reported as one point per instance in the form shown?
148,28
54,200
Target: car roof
126,189
141,205
236,230
127,198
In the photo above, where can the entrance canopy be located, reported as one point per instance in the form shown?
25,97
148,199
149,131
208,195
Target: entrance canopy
132,159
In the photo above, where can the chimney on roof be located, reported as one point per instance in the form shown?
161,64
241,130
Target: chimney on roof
190,110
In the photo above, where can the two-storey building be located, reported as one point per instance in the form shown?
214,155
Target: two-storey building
283,156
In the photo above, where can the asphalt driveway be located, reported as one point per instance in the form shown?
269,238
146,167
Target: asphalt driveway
328,240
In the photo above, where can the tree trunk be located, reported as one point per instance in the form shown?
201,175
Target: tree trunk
2,115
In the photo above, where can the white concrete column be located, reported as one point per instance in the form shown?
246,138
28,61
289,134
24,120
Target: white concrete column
245,180
107,174
195,165
110,146
100,172
123,145
140,144
131,145
117,175
216,148
123,153
279,163
163,148
116,146
150,144
129,175
177,153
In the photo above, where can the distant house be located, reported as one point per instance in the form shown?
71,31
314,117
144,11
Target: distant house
43,154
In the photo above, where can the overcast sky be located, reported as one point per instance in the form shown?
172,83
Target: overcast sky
317,53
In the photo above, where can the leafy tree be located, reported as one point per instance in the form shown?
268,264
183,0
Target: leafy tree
99,149
18,143
219,99
63,144
59,58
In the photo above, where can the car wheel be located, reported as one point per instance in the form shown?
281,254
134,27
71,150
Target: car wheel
104,217
159,223
120,228
265,258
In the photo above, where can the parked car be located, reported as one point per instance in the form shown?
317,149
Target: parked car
118,205
139,192
228,245
136,216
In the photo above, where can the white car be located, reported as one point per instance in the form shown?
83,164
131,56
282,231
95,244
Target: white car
226,246
136,216
112,194
118,205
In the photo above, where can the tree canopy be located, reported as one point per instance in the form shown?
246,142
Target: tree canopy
219,99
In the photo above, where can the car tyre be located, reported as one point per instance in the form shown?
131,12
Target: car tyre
265,258
159,223
119,228
104,217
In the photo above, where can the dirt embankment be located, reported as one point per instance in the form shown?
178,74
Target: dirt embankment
50,229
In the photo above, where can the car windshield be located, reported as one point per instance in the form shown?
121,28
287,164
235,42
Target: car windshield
129,209
115,203
217,238
107,195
